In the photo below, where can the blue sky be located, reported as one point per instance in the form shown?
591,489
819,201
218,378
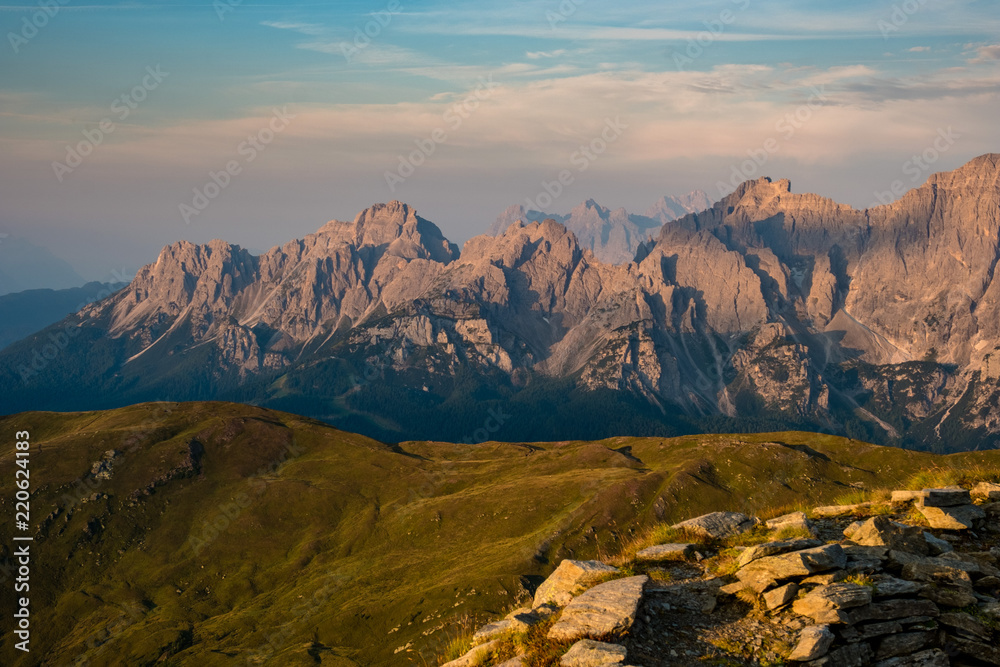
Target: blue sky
845,93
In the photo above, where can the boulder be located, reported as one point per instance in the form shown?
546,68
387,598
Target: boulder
662,552
779,597
814,642
934,657
949,496
824,604
767,572
568,578
987,491
792,520
960,517
879,531
590,653
717,525
835,511
605,610
757,551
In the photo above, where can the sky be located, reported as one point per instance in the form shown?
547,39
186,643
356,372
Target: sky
126,126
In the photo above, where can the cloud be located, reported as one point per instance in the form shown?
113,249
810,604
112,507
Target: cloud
535,55
919,49
302,28
985,54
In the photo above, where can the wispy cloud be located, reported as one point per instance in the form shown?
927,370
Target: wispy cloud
535,55
985,54
311,29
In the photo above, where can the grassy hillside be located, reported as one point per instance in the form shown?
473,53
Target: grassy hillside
217,534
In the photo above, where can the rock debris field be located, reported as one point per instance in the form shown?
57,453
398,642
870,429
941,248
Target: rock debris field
909,582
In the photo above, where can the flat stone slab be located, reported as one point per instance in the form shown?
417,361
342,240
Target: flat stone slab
568,578
834,511
949,496
663,552
590,653
824,604
758,551
792,520
766,572
717,525
605,610
955,517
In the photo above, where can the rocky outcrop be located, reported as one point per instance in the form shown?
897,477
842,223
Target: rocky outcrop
873,597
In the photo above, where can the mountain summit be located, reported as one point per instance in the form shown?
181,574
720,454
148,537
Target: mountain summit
768,309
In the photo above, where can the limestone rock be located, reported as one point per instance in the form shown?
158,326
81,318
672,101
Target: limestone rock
987,491
662,552
493,630
475,656
823,605
814,642
779,597
960,517
605,610
792,520
590,653
756,551
879,531
565,581
717,525
834,511
766,572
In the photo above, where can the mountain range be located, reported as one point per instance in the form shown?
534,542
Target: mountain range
768,310
613,236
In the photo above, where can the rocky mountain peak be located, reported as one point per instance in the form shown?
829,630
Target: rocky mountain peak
677,206
395,226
